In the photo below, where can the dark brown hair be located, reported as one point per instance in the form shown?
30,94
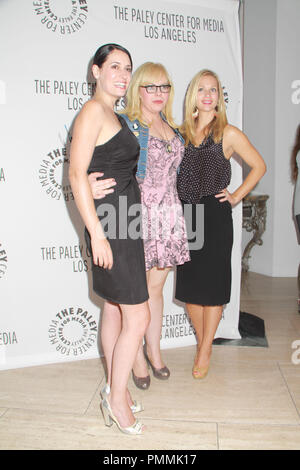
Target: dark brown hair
103,52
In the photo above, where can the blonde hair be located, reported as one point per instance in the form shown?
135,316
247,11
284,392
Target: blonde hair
147,74
217,125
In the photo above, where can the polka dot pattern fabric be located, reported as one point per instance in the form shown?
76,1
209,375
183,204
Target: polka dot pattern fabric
204,171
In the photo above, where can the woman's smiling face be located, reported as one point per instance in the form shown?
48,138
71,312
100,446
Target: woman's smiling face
208,93
115,74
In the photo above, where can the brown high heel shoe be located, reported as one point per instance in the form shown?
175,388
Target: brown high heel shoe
142,383
161,374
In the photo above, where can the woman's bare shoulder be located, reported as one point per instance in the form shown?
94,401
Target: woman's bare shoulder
91,115
93,108
231,131
90,118
232,135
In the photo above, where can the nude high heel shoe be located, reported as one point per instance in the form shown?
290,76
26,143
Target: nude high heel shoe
200,372
109,418
136,407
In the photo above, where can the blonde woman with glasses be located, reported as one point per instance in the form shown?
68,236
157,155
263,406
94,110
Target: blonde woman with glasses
148,114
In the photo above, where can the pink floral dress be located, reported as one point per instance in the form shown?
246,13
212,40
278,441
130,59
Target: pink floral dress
164,231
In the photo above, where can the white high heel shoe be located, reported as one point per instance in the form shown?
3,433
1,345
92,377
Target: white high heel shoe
136,407
109,419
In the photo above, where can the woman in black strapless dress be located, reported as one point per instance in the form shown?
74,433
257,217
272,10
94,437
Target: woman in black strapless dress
125,282
102,142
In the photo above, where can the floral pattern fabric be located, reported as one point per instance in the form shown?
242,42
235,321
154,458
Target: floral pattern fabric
164,231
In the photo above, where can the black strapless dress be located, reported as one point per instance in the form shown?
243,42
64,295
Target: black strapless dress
126,282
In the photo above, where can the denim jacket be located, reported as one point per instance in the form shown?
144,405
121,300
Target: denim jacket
142,135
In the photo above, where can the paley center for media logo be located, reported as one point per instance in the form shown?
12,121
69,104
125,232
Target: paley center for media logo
73,331
3,261
53,173
62,17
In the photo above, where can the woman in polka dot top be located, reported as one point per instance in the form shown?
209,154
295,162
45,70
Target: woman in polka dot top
204,283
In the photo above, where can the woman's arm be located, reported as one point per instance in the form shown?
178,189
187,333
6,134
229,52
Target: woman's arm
235,141
88,126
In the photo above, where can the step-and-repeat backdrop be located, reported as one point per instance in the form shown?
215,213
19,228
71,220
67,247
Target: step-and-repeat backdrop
48,310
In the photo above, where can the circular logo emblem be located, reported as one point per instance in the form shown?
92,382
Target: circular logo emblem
63,17
73,331
53,175
3,261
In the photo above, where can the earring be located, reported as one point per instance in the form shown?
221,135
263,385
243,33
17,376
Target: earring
195,113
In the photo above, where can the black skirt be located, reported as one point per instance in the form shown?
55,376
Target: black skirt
206,279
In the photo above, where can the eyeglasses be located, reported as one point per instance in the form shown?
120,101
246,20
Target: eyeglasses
154,88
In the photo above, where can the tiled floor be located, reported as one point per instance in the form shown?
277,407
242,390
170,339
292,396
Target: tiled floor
249,400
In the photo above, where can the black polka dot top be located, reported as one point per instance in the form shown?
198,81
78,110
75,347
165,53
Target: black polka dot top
204,171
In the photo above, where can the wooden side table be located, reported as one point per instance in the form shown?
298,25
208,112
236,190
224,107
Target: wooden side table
254,219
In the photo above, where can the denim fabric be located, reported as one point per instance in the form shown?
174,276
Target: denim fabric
142,135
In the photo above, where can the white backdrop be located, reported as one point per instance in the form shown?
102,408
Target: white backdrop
48,310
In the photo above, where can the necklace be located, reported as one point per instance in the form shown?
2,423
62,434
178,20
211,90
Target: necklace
168,146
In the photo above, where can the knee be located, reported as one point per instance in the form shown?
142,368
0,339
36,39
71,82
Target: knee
110,312
142,321
155,289
137,319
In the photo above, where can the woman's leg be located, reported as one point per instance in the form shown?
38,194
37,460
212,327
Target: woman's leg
110,332
111,325
135,319
211,319
156,279
195,313
205,320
